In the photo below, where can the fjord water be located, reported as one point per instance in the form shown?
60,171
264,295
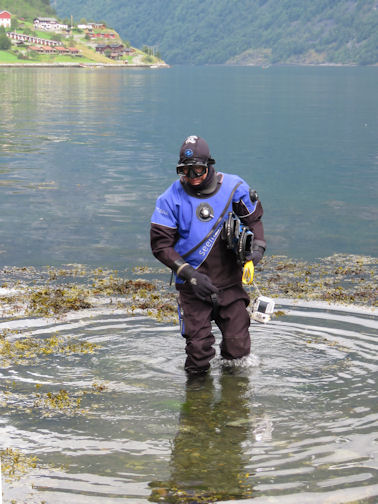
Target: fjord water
84,153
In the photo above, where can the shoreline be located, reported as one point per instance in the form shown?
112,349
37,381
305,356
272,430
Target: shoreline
166,65
82,65
340,280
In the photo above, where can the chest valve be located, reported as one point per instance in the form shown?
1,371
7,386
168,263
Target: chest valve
205,212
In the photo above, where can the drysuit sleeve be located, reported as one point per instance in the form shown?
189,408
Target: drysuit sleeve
162,240
164,229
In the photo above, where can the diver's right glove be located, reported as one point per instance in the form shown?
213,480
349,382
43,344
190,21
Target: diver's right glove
200,283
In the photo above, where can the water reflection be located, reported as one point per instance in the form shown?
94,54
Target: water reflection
208,462
106,142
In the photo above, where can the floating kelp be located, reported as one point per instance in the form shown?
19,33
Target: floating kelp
21,350
113,285
49,404
47,301
347,279
15,463
60,403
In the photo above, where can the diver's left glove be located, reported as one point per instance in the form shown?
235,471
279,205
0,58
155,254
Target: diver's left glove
256,255
200,283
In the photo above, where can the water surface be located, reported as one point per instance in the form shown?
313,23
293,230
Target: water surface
296,425
84,154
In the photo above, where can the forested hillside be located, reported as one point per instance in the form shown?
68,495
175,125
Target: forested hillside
28,8
66,44
242,31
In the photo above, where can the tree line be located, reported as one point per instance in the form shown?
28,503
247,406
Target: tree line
28,9
239,31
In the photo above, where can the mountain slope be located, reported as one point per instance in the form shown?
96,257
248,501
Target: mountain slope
28,8
242,31
24,43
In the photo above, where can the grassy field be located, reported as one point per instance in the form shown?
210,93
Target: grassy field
7,57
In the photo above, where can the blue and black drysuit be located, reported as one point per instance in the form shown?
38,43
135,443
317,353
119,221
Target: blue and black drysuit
185,217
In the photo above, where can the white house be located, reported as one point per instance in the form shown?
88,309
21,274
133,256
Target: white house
84,27
5,19
91,26
48,24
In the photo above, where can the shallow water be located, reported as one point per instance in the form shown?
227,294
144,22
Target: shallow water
298,424
83,156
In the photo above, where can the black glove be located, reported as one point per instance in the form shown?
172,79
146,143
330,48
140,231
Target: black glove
200,283
257,254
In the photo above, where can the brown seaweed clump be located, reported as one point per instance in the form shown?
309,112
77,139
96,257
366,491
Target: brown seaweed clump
47,301
346,279
18,349
15,464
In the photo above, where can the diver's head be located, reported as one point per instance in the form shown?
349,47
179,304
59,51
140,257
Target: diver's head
194,160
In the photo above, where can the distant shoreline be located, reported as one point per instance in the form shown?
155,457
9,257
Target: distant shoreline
166,65
81,65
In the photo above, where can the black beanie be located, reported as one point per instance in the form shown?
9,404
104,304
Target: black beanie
195,150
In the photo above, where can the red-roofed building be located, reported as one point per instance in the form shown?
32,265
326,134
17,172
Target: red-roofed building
5,19
62,50
42,49
102,35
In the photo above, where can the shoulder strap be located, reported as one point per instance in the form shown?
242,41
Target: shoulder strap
220,218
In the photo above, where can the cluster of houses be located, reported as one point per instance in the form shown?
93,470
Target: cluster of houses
49,24
48,46
38,44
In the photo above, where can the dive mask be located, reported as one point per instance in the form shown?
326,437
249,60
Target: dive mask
191,171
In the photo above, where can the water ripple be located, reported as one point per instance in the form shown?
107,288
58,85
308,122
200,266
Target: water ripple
299,424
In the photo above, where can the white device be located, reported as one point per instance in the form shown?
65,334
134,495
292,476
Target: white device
263,309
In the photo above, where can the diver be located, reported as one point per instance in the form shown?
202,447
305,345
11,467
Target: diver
189,234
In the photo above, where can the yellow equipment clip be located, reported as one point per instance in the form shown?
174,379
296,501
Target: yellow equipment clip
248,272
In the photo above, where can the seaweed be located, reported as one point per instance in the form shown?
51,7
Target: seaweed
47,301
341,278
15,463
20,350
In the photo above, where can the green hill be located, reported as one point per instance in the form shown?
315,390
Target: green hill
71,45
28,9
242,31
